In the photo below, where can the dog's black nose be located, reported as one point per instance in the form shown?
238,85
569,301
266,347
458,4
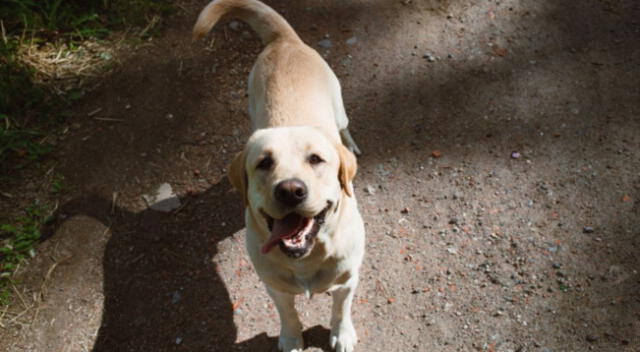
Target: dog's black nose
291,192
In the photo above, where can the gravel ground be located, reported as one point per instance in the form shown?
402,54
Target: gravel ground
500,186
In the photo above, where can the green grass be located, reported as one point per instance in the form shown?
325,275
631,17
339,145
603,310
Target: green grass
30,111
17,240
27,108
73,19
57,185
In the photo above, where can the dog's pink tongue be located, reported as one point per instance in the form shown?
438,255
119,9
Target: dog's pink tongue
283,228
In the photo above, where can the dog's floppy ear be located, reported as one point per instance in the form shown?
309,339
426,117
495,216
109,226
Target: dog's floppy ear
348,168
238,175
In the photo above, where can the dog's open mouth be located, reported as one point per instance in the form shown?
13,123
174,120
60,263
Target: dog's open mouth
294,233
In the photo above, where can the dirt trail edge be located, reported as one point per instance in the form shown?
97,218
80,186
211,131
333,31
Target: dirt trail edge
499,183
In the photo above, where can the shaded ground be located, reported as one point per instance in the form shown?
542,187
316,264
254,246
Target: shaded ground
478,249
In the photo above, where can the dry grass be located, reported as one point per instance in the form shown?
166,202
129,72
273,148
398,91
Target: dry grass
63,68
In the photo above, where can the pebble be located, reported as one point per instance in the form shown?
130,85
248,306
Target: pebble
352,40
588,229
591,338
176,297
515,155
369,189
325,43
454,221
163,200
178,340
429,57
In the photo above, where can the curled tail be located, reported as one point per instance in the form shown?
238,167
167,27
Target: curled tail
263,19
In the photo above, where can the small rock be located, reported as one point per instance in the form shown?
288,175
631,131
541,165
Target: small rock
515,155
176,297
352,40
454,221
369,189
591,338
429,57
436,154
163,200
588,229
405,210
325,43
556,265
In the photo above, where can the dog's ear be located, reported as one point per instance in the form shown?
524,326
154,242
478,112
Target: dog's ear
348,168
238,175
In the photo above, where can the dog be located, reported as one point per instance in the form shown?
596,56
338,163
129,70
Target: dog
295,175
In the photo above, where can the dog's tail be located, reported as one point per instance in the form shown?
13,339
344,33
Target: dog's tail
263,19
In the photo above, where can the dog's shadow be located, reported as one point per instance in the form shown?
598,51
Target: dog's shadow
162,291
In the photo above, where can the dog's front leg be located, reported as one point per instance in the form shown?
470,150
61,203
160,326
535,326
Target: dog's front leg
343,335
290,339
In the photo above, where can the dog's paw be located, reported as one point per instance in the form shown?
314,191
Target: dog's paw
290,344
343,337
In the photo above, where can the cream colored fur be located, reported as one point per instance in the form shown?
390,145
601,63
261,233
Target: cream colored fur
296,110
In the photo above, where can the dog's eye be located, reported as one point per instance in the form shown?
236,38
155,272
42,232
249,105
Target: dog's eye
265,164
314,159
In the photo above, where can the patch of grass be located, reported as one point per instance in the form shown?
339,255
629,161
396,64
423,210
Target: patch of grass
19,99
17,240
49,51
79,19
57,184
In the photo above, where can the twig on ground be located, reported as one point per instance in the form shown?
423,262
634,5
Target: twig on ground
24,303
94,112
2,316
14,319
182,206
108,119
114,199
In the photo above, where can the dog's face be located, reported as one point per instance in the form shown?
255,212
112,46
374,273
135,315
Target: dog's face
292,179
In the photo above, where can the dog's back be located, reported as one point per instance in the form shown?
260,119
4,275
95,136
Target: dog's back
290,84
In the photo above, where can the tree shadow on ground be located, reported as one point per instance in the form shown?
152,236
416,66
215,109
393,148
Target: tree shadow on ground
162,291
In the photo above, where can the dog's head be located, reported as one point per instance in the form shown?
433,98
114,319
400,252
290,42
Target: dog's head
292,179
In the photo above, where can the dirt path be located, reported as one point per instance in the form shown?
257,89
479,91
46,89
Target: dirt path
500,186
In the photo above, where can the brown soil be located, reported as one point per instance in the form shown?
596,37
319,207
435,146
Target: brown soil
496,136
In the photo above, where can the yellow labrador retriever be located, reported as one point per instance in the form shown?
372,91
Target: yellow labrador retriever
304,232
